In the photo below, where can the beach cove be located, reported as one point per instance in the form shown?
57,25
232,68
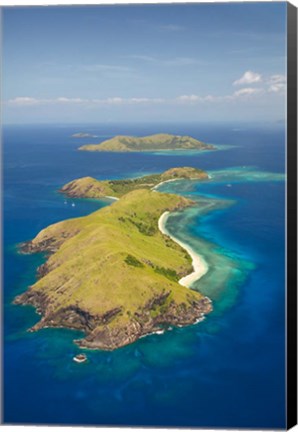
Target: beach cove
200,266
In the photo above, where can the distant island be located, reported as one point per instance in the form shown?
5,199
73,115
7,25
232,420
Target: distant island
89,187
83,135
116,274
156,142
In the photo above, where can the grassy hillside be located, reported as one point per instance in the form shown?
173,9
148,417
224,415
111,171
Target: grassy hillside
113,274
88,187
156,142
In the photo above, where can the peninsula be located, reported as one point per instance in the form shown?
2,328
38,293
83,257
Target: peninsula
157,142
113,274
89,187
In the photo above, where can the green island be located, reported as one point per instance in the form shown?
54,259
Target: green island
113,274
89,187
157,142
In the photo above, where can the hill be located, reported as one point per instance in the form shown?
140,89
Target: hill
113,274
122,143
88,187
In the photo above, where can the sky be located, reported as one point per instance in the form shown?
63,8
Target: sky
222,62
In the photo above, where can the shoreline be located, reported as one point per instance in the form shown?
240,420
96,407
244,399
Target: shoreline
165,181
111,197
199,265
175,179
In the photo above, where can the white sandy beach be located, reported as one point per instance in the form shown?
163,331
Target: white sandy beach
175,179
111,197
165,181
199,264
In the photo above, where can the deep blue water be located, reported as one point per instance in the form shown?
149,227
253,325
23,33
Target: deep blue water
228,371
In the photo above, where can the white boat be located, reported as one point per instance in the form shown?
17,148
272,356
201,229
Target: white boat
80,358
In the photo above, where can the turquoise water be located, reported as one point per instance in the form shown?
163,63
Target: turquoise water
227,371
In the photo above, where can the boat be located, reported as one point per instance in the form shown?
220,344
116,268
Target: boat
80,358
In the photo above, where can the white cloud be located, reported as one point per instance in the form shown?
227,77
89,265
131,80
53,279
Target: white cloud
127,101
23,100
117,101
277,79
273,84
212,98
277,88
249,77
247,91
146,100
241,93
29,101
192,99
114,101
277,84
67,100
188,98
140,100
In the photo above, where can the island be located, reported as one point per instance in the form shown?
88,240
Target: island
83,135
89,187
157,142
115,274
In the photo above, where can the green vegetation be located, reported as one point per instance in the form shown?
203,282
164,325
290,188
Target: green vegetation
133,261
167,272
88,187
107,276
156,142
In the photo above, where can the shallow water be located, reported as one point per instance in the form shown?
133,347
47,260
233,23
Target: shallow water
227,371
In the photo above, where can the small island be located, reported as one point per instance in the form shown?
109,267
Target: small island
115,274
157,142
89,187
83,135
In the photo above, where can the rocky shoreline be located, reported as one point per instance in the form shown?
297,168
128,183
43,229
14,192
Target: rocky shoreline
98,333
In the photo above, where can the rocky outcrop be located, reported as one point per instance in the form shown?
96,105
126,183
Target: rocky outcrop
86,187
142,324
110,331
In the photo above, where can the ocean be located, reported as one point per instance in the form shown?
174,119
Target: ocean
227,371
